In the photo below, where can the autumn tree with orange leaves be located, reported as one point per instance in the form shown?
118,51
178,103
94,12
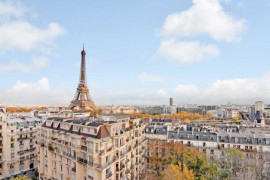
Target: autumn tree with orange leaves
173,156
181,115
176,172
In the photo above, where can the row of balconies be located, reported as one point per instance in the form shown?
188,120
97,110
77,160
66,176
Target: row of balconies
27,150
26,131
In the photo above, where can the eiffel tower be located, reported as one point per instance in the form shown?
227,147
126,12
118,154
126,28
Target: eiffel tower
82,100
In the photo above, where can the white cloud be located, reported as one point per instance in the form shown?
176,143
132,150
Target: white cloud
24,36
162,93
16,33
38,92
239,90
146,77
187,51
37,64
8,9
187,90
40,86
204,17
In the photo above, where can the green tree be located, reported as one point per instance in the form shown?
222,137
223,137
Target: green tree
231,163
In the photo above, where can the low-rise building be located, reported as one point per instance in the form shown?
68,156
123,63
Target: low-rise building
255,142
110,147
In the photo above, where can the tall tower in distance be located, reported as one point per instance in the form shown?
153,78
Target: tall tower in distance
82,100
171,101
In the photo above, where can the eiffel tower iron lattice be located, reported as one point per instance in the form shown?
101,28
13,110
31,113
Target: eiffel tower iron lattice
82,99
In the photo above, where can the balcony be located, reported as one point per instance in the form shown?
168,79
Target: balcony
74,169
122,167
90,163
32,149
108,175
81,160
22,138
108,150
67,154
84,148
32,137
100,167
90,177
53,138
73,156
51,148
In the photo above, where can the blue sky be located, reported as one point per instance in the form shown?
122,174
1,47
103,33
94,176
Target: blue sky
138,52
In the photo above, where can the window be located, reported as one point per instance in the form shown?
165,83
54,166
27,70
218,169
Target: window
73,165
90,147
108,171
95,131
96,148
106,145
90,160
116,142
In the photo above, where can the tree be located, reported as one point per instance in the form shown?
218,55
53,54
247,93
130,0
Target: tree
231,163
111,111
175,153
25,177
158,159
209,115
176,172
235,120
187,121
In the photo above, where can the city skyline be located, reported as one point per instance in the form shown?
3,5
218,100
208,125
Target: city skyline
139,53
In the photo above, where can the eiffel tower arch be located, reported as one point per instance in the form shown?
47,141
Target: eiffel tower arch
82,99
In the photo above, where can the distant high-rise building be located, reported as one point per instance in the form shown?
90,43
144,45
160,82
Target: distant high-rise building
82,99
259,106
171,101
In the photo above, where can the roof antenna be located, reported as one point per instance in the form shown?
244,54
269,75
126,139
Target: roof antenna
83,46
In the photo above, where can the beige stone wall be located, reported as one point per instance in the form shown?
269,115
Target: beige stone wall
112,157
19,149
